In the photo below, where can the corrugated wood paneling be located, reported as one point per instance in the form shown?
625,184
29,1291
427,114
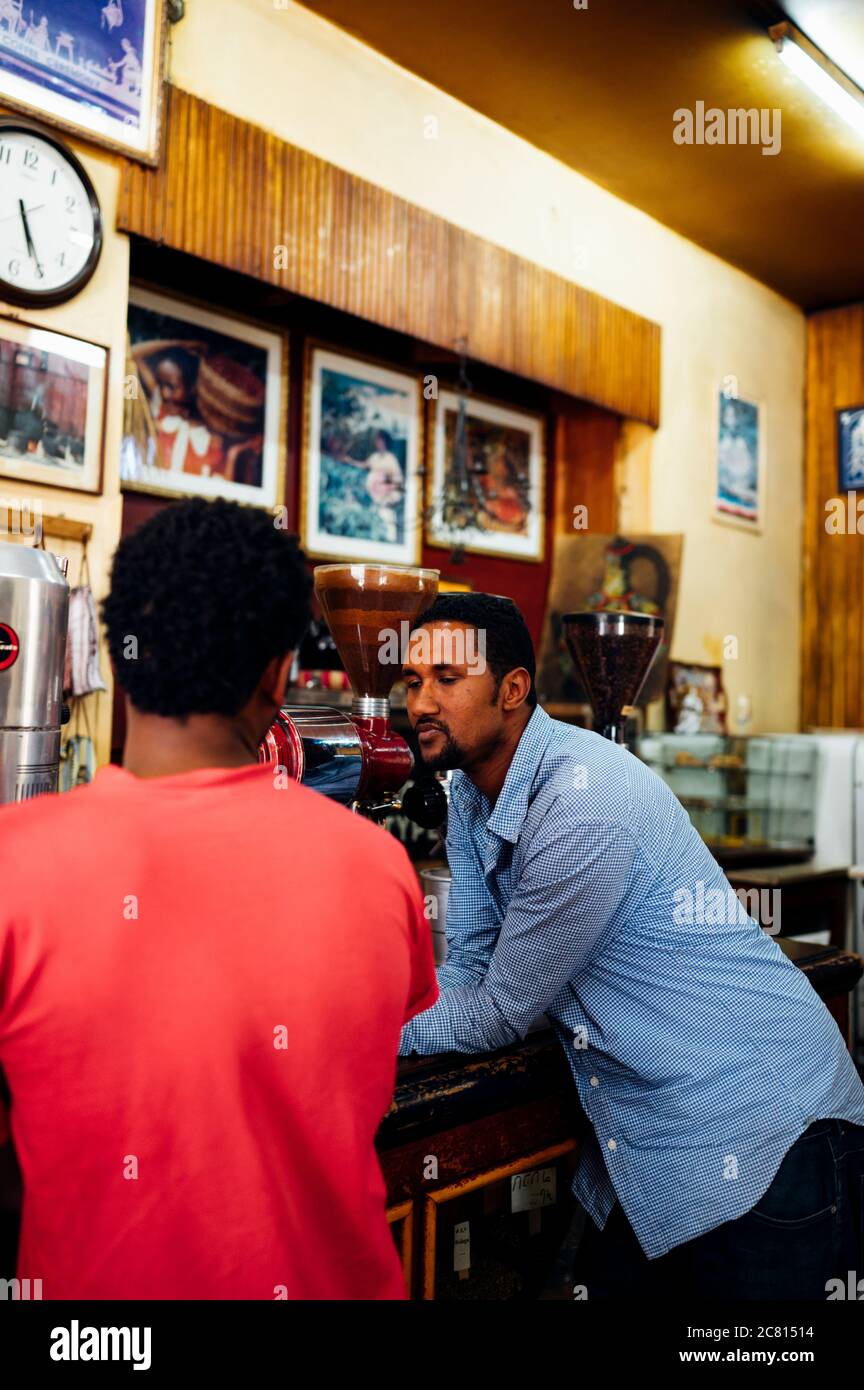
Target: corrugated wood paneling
231,193
832,691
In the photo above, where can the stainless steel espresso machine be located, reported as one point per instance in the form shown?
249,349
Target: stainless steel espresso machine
358,759
34,605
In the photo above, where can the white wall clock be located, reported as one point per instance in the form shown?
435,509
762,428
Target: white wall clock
50,219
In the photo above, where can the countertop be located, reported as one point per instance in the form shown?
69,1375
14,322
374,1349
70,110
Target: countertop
452,1088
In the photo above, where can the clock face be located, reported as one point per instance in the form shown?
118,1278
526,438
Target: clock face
50,224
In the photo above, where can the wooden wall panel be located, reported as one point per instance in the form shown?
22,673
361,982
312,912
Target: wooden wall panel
585,449
231,193
832,692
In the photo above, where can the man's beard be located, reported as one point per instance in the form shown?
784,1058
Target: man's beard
452,754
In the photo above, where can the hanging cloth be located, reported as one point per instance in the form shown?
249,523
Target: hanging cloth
82,643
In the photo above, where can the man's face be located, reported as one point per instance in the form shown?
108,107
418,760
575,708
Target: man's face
453,705
172,386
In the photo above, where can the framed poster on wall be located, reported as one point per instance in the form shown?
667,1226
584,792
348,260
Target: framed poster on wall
205,403
850,448
93,67
52,407
362,434
739,471
497,507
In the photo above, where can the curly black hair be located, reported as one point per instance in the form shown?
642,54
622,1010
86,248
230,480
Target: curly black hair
203,596
508,641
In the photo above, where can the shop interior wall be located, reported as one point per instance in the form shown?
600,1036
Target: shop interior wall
356,109
97,314
832,648
582,441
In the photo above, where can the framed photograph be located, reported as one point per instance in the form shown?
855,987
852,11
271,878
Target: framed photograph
93,67
739,487
498,507
695,699
205,403
362,433
850,448
52,407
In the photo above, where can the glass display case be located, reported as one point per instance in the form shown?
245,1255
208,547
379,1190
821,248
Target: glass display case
751,799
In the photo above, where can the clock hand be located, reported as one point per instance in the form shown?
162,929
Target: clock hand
30,246
10,215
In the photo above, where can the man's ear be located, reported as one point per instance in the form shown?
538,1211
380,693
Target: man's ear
274,679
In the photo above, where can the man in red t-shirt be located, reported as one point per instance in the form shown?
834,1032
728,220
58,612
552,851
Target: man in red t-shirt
204,972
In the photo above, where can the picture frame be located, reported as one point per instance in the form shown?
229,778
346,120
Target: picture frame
53,391
93,70
740,445
850,448
361,457
507,506
695,699
206,403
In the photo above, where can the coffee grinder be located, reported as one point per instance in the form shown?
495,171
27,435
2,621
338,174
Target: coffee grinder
358,759
613,653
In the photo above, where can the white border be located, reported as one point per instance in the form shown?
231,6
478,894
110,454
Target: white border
321,543
95,358
78,114
191,484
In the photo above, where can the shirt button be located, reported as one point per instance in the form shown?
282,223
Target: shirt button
594,1081
611,1144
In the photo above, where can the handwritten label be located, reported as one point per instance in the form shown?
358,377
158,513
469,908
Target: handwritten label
462,1246
531,1191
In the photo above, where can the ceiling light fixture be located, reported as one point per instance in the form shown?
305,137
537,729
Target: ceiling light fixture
823,77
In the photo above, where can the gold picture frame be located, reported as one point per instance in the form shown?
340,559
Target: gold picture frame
35,58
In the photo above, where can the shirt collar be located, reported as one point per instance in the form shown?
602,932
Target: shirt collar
513,799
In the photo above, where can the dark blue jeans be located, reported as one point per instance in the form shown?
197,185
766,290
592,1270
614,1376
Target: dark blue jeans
807,1229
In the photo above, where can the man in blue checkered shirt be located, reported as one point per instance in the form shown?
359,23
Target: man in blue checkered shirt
726,1153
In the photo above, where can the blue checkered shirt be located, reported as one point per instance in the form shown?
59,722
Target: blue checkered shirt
699,1051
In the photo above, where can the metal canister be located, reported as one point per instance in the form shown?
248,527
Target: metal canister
436,891
34,610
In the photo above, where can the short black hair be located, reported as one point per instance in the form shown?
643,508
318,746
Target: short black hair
508,641
210,592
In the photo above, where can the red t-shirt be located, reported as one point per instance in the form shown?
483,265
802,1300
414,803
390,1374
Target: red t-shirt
202,984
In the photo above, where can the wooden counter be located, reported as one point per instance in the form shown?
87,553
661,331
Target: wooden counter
461,1126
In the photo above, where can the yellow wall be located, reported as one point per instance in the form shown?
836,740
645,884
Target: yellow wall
284,68
99,315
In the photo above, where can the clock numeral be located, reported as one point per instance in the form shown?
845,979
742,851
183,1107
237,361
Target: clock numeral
54,177
5,154
14,267
71,203
31,159
61,259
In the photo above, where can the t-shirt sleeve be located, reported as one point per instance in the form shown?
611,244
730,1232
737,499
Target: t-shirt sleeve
423,990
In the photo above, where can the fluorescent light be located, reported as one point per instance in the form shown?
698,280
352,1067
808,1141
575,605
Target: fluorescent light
818,72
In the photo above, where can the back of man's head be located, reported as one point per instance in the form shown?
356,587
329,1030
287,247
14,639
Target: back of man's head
203,596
